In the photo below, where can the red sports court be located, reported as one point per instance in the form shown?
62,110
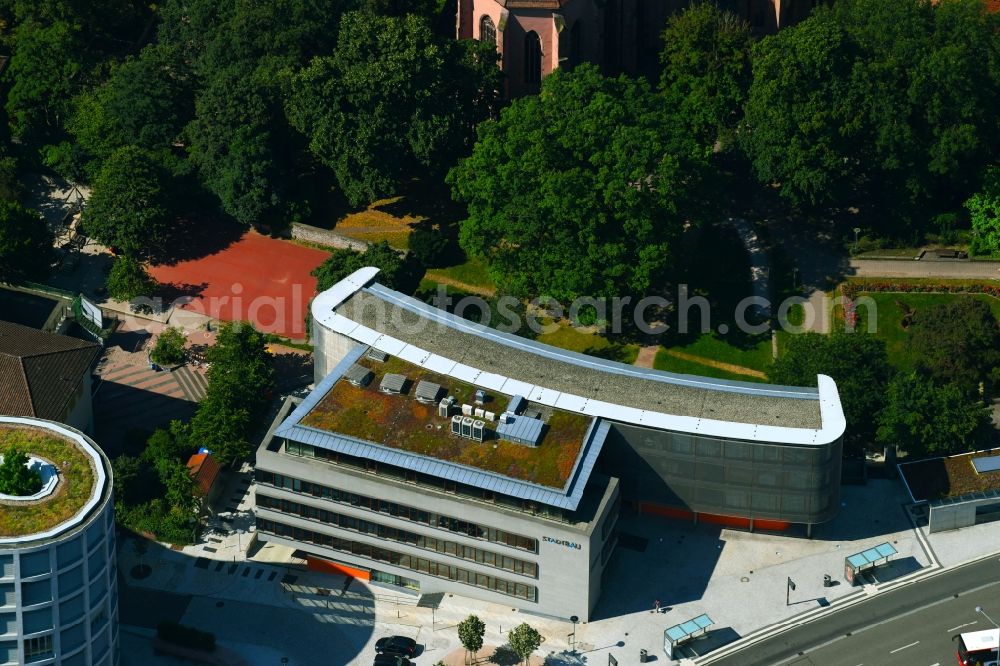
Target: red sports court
257,278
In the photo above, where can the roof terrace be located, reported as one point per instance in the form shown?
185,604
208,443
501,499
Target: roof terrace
74,492
401,421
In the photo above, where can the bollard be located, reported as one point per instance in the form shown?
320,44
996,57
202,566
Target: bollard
643,656
827,581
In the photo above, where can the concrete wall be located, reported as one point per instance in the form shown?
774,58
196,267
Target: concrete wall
798,484
325,237
80,411
329,349
945,517
566,584
63,592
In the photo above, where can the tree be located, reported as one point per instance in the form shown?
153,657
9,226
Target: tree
401,272
15,476
169,349
924,418
128,208
166,445
393,99
470,633
583,189
128,279
523,640
240,380
180,486
146,102
25,244
239,147
46,60
433,247
856,361
706,70
878,103
958,342
984,211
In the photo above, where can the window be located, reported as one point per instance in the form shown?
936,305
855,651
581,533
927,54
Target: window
532,58
487,30
38,648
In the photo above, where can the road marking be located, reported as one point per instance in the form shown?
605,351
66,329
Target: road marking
967,624
904,647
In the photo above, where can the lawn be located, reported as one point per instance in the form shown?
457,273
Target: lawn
471,276
679,365
585,342
377,223
753,352
890,309
76,482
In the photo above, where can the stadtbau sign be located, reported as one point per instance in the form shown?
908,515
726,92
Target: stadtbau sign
562,542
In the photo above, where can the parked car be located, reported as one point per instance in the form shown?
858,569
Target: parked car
396,645
391,660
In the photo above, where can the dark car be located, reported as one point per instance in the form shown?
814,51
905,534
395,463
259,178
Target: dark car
398,645
391,660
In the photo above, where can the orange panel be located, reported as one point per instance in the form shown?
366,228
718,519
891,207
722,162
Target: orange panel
326,566
728,521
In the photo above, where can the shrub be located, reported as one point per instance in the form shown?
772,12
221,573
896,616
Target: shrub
169,349
15,477
188,637
128,279
433,248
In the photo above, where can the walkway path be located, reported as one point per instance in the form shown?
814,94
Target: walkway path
646,358
925,269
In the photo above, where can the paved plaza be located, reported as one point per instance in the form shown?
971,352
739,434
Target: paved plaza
736,577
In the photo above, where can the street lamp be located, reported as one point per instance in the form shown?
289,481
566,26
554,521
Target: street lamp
857,230
979,609
574,619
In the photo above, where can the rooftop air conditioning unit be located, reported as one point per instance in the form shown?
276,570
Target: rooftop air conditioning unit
479,413
490,416
467,410
467,422
456,425
480,396
444,408
478,430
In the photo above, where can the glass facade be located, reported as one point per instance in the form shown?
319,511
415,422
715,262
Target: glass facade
419,564
799,484
402,511
446,547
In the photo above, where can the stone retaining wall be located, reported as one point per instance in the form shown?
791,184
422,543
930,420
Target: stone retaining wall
326,237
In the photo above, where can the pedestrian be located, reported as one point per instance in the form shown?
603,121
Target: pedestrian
656,606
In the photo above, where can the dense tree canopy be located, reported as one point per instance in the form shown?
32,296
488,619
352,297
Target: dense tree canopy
957,343
15,476
146,102
129,206
392,100
923,417
239,146
128,279
42,72
856,361
582,189
25,244
984,210
877,99
706,69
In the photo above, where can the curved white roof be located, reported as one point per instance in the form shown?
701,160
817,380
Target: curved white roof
738,399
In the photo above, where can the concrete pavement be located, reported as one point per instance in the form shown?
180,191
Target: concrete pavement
911,625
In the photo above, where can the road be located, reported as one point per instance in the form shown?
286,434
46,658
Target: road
927,269
908,626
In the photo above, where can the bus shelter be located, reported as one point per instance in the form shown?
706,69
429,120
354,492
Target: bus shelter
856,564
677,635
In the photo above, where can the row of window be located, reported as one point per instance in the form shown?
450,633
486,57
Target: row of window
429,481
402,536
429,567
402,511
